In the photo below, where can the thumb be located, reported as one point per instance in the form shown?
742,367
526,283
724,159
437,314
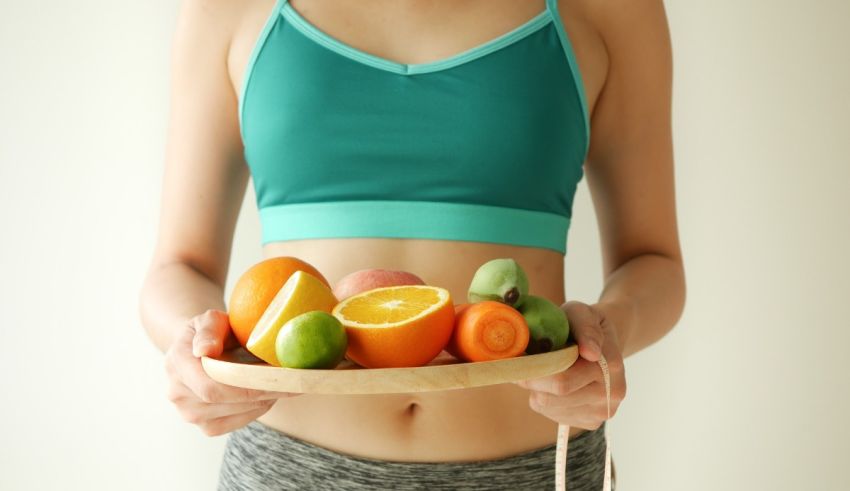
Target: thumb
211,328
586,328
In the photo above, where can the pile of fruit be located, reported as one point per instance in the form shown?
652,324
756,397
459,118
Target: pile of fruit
286,313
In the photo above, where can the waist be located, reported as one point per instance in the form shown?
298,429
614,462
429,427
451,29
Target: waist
446,426
415,219
257,456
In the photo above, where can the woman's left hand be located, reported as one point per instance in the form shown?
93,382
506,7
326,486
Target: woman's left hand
576,396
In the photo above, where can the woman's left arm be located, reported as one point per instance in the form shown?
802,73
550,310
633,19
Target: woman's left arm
630,176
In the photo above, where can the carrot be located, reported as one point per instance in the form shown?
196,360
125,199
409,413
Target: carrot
487,330
451,347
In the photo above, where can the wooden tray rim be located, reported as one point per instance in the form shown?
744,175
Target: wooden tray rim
358,380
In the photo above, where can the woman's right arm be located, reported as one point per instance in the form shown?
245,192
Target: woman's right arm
181,301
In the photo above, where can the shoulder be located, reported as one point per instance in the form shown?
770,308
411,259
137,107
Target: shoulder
217,34
214,23
611,34
612,17
217,13
624,49
628,26
617,38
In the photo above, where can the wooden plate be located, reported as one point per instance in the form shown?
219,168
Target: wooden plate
241,369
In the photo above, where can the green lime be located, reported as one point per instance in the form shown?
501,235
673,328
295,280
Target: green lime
314,339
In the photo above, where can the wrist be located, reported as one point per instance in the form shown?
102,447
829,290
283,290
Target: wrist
621,316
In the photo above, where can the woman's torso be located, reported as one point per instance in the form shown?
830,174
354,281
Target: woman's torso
482,423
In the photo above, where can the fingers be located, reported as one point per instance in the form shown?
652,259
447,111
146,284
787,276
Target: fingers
587,416
586,327
211,329
569,411
210,391
577,396
197,412
216,408
580,374
226,424
185,369
230,342
589,394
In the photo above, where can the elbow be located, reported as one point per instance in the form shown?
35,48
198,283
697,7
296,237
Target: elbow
149,301
680,292
143,305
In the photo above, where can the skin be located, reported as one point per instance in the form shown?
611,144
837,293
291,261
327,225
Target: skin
624,56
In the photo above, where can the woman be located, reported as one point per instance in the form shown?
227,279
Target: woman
428,137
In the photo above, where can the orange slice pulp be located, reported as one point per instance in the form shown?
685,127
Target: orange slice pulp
396,326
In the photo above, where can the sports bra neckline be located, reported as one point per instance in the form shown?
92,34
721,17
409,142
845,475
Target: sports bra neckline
501,41
550,14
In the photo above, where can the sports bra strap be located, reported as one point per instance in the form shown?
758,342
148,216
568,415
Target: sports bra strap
557,21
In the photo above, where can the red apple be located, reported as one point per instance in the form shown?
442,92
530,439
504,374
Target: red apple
367,279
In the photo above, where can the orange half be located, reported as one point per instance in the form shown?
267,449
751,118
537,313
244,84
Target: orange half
396,326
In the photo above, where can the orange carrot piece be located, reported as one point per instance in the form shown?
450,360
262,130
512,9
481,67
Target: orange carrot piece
451,348
487,330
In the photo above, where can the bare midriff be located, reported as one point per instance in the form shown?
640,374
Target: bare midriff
480,423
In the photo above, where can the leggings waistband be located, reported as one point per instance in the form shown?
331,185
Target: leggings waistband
258,458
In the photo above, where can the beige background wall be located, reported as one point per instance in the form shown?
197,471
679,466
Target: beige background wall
750,391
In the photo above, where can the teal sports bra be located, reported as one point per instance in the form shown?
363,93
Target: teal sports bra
486,145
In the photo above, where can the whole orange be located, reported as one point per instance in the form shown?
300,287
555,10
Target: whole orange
256,288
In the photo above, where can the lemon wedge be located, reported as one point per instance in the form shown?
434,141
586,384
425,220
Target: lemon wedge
301,293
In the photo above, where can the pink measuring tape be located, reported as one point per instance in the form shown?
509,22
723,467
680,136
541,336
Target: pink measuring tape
564,430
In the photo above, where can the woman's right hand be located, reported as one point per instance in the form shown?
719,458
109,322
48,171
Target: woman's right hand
216,408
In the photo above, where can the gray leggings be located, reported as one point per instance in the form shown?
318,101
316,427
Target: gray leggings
259,458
